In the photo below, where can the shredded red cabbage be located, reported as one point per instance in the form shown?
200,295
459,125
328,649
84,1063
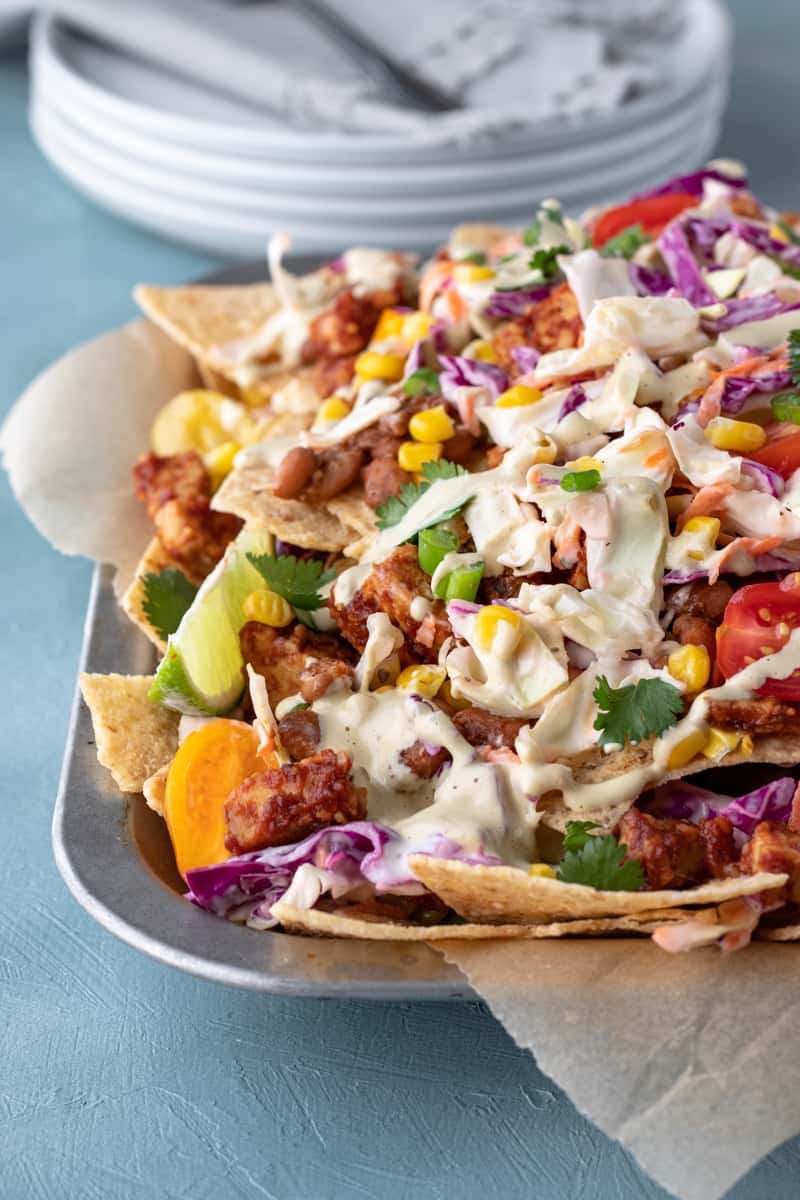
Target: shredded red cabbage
739,388
502,305
575,397
458,371
683,269
765,479
739,312
647,281
686,802
525,357
692,183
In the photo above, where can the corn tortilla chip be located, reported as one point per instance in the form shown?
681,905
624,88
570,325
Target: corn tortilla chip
200,318
339,924
155,789
780,933
247,493
352,509
134,736
155,559
509,894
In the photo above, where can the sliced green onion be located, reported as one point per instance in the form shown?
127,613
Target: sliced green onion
786,407
580,481
461,583
433,545
423,382
475,256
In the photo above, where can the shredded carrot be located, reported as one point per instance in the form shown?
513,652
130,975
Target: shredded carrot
456,303
431,283
711,401
708,501
752,546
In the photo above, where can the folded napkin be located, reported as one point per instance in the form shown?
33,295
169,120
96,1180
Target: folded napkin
508,62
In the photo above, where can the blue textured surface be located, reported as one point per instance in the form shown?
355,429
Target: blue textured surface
120,1079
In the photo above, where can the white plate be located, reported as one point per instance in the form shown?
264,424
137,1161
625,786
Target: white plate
230,231
391,208
136,95
532,172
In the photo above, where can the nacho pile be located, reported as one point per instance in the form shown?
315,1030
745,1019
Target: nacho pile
463,570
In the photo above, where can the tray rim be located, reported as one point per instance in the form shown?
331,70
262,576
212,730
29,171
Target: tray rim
169,945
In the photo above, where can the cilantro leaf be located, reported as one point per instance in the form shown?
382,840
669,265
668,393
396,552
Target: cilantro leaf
577,834
392,511
296,579
626,243
544,260
167,597
422,382
634,712
599,863
531,234
474,256
794,356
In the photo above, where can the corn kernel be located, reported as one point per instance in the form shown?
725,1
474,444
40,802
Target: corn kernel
219,461
332,410
721,742
416,325
455,702
390,325
746,745
584,463
374,365
709,525
541,871
423,681
471,273
742,437
687,749
431,425
385,687
691,665
483,351
777,234
268,608
518,396
412,456
490,618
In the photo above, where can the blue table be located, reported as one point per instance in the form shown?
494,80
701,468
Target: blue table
123,1080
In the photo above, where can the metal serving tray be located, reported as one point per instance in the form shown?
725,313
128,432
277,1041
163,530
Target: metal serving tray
115,857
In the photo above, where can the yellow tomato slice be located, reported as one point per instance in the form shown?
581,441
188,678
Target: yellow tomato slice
209,764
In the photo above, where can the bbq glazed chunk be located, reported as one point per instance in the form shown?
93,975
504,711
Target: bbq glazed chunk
298,662
482,728
176,490
776,849
762,715
285,804
551,324
670,851
391,587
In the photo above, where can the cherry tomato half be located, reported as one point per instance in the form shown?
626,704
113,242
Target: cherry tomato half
652,214
782,454
760,617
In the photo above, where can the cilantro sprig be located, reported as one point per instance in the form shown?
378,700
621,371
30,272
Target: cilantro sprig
422,382
597,862
296,579
626,243
168,595
392,511
544,260
636,711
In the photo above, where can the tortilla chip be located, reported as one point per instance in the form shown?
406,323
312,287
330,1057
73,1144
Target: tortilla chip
155,789
155,559
352,509
247,493
339,924
200,318
593,766
134,736
780,933
509,894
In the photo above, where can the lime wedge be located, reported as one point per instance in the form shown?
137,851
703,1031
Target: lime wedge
201,673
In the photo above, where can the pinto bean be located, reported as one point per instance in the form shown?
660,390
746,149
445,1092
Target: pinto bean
294,471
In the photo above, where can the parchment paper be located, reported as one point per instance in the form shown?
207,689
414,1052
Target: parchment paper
690,1060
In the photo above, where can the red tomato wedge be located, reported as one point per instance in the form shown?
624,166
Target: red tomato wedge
652,214
782,454
758,620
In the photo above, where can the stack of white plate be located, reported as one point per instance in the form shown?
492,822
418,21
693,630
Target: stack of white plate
176,159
